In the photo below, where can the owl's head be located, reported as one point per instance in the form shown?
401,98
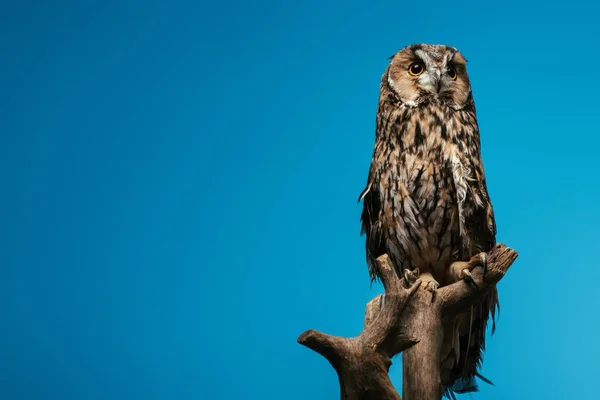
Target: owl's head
424,73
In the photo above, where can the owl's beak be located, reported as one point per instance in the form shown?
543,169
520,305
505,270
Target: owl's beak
437,80
438,85
432,80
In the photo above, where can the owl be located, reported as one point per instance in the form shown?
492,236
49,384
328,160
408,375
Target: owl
426,202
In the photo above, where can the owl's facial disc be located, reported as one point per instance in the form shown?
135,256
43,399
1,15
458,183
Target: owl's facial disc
419,74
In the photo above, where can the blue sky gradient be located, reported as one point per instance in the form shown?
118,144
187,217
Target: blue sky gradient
180,184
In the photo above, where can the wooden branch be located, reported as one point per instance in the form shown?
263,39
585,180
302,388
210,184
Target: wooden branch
407,320
362,362
421,366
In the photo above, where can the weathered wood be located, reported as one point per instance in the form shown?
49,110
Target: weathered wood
406,319
362,372
421,375
362,362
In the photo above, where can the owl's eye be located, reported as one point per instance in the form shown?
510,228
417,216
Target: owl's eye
416,69
452,73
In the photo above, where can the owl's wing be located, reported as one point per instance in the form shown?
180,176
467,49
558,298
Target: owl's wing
481,225
371,224
480,235
480,221
476,214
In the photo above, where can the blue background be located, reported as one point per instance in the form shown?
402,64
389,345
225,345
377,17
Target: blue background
179,185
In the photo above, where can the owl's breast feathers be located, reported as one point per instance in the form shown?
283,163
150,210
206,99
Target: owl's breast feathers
426,200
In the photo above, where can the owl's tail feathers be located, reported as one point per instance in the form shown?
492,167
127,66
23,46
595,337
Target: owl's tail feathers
465,385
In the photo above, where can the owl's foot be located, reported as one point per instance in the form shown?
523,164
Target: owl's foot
469,278
410,277
429,283
462,269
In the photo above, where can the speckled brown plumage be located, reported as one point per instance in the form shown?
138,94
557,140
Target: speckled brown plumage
426,202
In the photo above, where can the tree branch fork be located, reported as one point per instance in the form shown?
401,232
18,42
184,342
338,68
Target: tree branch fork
405,319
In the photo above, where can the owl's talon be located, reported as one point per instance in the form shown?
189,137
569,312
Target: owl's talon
484,263
429,283
432,286
410,277
469,278
405,275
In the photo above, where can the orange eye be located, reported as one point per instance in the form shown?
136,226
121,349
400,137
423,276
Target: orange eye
416,69
452,73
